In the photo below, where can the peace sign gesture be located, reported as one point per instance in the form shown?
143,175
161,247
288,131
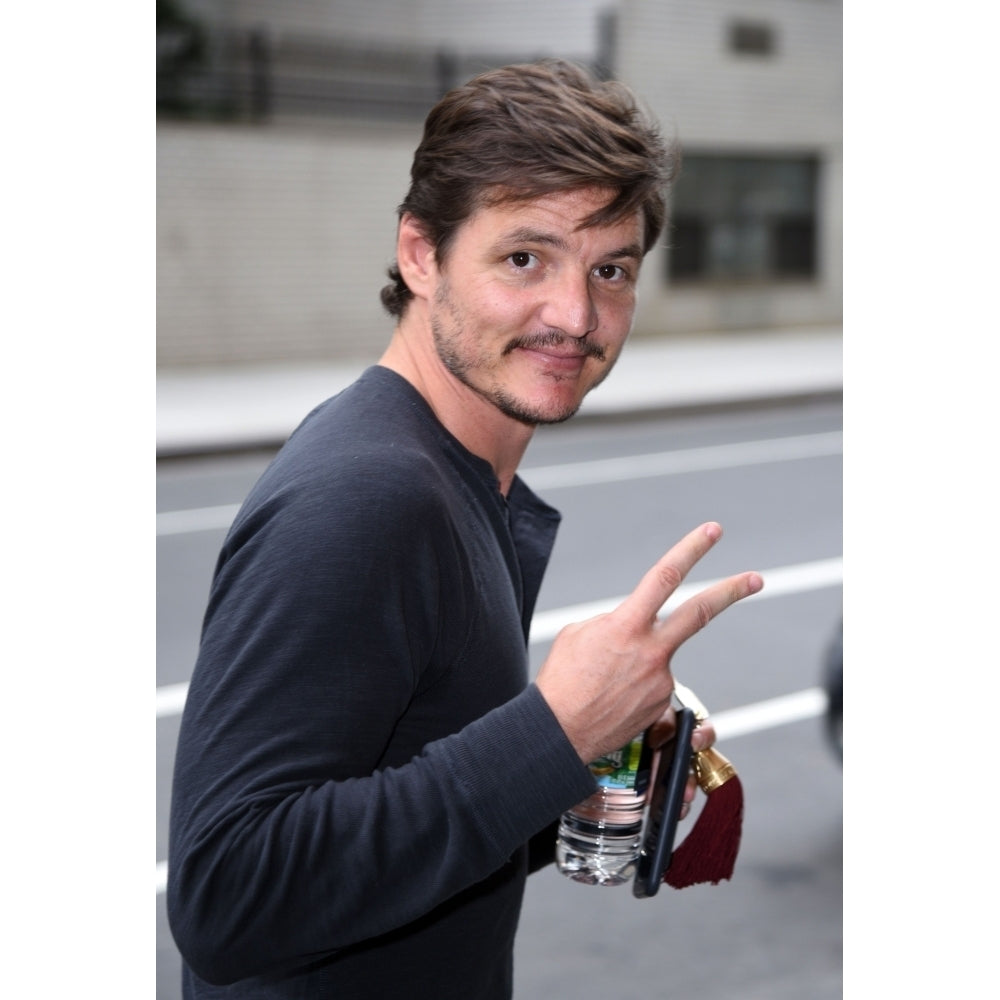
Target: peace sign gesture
609,678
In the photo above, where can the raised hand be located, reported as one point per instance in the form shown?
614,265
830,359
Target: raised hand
609,678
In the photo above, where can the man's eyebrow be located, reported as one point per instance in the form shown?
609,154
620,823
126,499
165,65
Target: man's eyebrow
527,235
629,250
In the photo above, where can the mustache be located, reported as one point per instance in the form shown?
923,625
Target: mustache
553,338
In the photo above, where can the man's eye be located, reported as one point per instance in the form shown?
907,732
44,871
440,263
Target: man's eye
611,272
522,259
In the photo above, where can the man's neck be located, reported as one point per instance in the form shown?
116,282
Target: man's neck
477,423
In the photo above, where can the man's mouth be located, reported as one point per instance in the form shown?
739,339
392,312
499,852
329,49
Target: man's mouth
558,347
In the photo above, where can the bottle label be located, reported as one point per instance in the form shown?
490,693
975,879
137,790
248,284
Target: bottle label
625,768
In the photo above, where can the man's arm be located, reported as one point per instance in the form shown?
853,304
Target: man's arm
288,839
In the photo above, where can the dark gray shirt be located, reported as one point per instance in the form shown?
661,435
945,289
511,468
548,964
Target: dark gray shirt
362,763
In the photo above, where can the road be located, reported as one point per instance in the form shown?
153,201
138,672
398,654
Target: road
628,490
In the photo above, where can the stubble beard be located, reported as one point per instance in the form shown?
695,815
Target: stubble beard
459,364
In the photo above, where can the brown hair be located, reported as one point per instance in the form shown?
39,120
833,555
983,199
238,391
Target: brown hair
528,130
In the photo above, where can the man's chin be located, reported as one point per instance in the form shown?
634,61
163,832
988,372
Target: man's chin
537,414
558,418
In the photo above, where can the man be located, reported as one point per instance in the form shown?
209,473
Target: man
364,775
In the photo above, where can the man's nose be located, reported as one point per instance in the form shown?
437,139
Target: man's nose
569,305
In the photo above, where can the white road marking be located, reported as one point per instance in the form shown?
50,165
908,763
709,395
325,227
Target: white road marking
768,714
546,624
807,704
170,699
608,470
182,522
671,463
778,582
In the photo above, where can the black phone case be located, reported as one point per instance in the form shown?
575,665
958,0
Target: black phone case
666,796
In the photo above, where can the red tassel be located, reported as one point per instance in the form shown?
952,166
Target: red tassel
709,851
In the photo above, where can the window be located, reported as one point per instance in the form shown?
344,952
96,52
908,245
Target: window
743,219
751,38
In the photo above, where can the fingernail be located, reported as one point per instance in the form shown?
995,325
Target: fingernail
756,582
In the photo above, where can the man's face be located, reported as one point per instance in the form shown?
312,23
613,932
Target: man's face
530,311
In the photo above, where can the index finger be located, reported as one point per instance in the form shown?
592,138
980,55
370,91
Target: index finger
668,573
697,611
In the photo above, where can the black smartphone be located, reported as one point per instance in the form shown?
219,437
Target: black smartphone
666,796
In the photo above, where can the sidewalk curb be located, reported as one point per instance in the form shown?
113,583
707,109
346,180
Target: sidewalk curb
245,444
249,408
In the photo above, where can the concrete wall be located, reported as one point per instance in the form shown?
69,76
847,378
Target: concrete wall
675,54
272,243
552,26
273,240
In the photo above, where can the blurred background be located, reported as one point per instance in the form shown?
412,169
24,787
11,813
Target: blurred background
285,131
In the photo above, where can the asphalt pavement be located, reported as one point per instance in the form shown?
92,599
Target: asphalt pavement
202,410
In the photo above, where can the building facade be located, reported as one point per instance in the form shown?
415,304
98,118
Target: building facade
285,131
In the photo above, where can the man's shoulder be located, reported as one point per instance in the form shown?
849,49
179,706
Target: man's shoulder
361,451
378,410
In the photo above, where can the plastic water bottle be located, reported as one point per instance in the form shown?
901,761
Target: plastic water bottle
599,839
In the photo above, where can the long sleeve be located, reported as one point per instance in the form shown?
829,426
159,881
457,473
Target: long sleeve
359,744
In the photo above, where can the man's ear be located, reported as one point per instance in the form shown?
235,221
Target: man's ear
415,257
